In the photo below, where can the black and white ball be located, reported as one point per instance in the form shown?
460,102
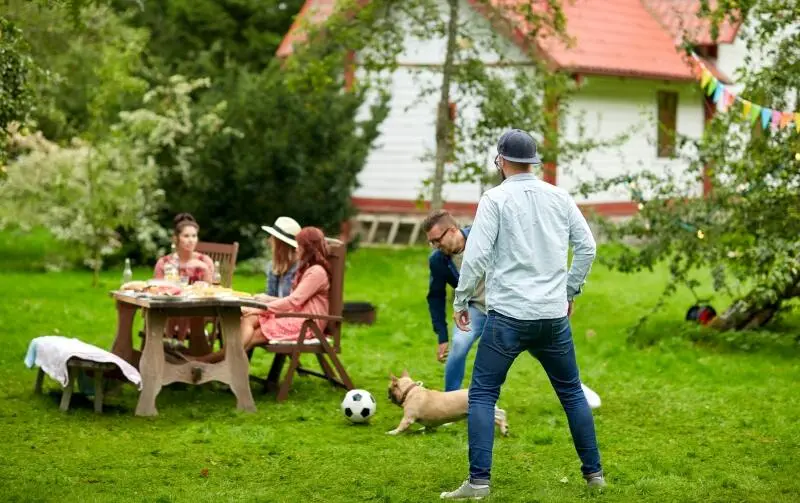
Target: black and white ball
358,406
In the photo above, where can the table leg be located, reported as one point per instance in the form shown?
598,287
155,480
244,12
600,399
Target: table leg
151,366
39,380
66,395
123,342
198,342
236,359
98,390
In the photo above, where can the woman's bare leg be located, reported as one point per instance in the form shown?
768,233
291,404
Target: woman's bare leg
251,333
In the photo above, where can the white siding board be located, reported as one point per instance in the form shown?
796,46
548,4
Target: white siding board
613,106
431,51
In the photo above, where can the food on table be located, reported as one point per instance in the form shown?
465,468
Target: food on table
134,286
160,287
202,289
153,287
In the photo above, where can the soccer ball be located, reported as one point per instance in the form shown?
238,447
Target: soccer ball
358,406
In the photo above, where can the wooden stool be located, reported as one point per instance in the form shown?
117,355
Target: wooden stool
74,365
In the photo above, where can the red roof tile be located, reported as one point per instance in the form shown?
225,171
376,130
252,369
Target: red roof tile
680,16
636,38
319,10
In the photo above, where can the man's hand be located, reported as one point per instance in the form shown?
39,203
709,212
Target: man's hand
570,308
462,320
441,354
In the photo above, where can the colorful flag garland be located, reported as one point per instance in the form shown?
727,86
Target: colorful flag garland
718,91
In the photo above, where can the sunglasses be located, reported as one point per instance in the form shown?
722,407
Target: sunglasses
438,241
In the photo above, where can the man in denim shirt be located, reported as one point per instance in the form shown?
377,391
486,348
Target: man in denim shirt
445,263
519,242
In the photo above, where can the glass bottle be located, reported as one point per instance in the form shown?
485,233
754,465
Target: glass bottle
216,278
127,273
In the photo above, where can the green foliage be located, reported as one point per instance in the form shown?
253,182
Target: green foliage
746,232
85,193
91,67
303,137
15,73
301,161
208,37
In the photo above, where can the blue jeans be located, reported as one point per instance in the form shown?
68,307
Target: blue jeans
459,348
550,342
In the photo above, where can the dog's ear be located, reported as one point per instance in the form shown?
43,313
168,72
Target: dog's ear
405,373
392,377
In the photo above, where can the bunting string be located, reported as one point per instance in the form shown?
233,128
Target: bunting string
723,96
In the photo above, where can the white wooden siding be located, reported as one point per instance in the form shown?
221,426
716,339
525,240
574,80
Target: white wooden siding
612,106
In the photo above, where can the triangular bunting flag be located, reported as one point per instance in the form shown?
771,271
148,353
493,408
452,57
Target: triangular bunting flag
746,105
718,93
727,99
705,78
786,118
766,115
755,112
731,98
776,119
724,98
712,87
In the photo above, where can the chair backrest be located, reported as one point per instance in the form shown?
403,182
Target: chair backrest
336,258
226,254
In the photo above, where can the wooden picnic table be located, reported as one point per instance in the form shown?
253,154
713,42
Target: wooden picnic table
156,372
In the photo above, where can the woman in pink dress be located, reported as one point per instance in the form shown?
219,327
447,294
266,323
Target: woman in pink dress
191,265
309,295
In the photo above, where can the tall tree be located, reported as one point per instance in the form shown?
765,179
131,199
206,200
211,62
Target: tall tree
444,120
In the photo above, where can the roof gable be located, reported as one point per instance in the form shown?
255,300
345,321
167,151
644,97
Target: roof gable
636,38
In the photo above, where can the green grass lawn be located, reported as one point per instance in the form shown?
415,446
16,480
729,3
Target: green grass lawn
679,421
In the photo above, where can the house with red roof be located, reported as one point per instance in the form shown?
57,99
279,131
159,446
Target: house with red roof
632,73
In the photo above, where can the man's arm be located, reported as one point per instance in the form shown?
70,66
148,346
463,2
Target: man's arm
437,295
584,249
479,248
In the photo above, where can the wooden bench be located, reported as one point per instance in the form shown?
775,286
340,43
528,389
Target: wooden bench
74,365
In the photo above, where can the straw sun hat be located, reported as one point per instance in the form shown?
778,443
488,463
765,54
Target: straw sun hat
285,229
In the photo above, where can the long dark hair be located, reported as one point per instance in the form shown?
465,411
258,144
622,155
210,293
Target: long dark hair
315,252
183,220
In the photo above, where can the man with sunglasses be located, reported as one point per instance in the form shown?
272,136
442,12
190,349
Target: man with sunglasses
449,242
519,245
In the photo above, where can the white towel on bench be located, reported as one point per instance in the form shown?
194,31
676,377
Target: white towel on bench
51,353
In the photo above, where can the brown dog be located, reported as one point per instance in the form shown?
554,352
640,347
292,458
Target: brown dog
431,408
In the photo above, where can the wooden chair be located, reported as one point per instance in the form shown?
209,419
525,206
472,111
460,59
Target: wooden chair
325,346
225,254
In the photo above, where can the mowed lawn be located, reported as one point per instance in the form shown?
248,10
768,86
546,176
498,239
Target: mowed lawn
679,421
